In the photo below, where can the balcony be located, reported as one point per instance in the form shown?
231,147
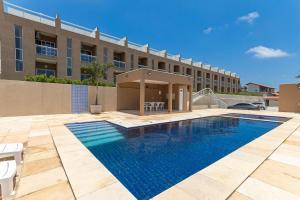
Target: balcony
216,82
223,83
86,58
207,80
142,66
47,72
199,78
119,65
43,50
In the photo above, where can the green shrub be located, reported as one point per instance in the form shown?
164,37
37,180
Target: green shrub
53,79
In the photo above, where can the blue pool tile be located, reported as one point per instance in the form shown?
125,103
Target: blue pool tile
148,160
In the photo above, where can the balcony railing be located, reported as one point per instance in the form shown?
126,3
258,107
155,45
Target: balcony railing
223,83
87,58
162,69
199,78
46,51
47,72
216,82
207,80
142,66
28,14
119,65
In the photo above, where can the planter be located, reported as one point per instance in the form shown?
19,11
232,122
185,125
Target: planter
96,109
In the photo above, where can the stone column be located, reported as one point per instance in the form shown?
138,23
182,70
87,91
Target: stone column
190,97
142,96
185,98
1,8
61,44
170,99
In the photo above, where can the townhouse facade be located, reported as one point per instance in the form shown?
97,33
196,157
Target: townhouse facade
34,43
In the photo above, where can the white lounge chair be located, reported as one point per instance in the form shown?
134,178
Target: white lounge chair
8,171
12,149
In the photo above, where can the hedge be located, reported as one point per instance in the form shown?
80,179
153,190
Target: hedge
52,79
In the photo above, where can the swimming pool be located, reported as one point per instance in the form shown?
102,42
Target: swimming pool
259,117
148,160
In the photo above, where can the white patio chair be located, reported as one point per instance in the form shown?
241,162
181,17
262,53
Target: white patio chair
161,106
12,149
152,105
156,106
8,171
147,106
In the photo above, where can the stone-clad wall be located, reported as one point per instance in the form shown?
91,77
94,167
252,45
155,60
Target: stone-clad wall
19,98
289,100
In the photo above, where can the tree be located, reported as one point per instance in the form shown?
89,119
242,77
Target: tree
298,76
97,72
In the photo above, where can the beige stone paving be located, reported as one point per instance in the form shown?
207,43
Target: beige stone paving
279,176
57,166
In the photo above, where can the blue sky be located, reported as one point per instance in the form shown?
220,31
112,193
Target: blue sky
259,40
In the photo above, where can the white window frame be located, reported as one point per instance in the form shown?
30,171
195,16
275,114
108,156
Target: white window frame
21,49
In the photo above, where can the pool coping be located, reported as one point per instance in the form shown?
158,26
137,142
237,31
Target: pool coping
219,179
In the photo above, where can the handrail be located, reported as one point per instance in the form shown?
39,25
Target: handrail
209,92
25,9
77,26
44,50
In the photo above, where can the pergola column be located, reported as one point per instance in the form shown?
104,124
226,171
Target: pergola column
170,98
190,97
142,96
185,98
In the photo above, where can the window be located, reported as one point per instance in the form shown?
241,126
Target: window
105,55
19,48
131,61
69,57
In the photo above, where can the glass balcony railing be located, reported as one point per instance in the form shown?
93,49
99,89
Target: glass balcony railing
46,50
87,58
199,78
119,65
47,72
143,66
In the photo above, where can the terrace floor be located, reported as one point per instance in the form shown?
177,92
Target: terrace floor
57,166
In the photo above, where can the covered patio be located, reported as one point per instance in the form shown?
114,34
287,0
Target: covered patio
147,91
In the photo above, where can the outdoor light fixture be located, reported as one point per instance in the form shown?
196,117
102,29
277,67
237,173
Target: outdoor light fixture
149,73
159,92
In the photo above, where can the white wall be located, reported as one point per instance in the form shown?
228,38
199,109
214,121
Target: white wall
253,88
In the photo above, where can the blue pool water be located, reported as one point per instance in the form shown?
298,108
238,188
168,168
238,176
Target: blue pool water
148,160
262,117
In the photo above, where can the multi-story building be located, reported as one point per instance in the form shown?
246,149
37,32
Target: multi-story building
34,43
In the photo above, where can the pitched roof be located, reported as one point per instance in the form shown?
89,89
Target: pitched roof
259,85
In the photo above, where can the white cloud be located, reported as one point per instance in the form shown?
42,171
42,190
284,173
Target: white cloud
265,52
249,18
208,30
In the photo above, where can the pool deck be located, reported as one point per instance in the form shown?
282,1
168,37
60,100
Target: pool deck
57,166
